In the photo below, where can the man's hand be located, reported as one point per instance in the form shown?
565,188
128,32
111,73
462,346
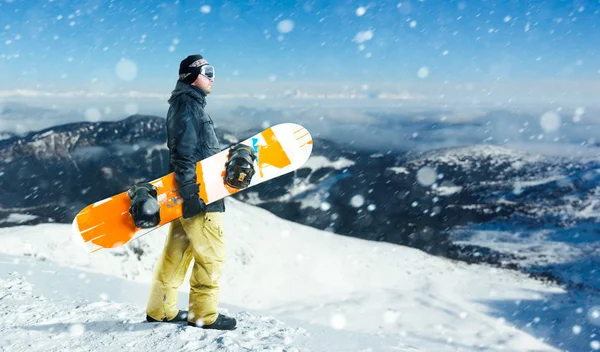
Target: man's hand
192,203
193,207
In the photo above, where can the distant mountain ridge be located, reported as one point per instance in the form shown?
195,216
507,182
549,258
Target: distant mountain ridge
414,199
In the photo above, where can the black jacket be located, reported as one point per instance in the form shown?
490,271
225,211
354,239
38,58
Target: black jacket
191,136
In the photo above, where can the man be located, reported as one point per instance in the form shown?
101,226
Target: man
198,233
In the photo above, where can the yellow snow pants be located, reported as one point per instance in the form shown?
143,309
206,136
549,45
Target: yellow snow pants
200,238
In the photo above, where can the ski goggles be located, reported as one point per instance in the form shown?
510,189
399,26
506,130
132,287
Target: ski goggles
207,71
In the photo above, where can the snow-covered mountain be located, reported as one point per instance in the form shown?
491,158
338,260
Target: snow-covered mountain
292,288
427,200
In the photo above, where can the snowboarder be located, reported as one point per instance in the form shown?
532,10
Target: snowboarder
198,233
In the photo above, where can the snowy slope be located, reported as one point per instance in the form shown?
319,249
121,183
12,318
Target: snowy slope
291,287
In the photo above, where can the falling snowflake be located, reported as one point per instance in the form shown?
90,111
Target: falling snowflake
363,36
423,72
285,26
325,206
576,329
593,315
578,113
360,11
205,9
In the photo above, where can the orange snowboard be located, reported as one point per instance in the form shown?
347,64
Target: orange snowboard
107,223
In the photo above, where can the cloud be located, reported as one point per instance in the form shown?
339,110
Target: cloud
14,93
288,94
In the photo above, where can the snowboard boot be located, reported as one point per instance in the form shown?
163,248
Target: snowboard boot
223,322
179,318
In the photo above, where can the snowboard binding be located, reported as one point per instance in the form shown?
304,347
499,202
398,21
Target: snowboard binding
144,208
239,167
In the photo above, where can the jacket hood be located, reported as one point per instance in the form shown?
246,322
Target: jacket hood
191,91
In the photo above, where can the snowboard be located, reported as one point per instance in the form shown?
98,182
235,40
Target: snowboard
107,223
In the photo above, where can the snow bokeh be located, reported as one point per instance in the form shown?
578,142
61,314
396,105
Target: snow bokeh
423,72
550,121
357,201
77,330
126,70
593,315
338,321
426,176
131,108
285,26
92,114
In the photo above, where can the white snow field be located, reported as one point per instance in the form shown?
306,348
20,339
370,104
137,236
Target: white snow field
291,287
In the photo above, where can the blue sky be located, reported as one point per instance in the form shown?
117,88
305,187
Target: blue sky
64,45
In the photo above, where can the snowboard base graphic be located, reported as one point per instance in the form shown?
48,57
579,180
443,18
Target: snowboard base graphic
108,224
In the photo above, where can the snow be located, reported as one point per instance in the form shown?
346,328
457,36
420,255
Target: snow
290,286
318,161
399,170
447,190
495,155
18,218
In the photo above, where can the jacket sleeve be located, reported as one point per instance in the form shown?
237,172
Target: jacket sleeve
183,129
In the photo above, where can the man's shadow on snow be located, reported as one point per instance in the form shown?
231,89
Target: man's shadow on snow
100,326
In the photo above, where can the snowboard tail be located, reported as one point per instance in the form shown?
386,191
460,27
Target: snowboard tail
108,224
